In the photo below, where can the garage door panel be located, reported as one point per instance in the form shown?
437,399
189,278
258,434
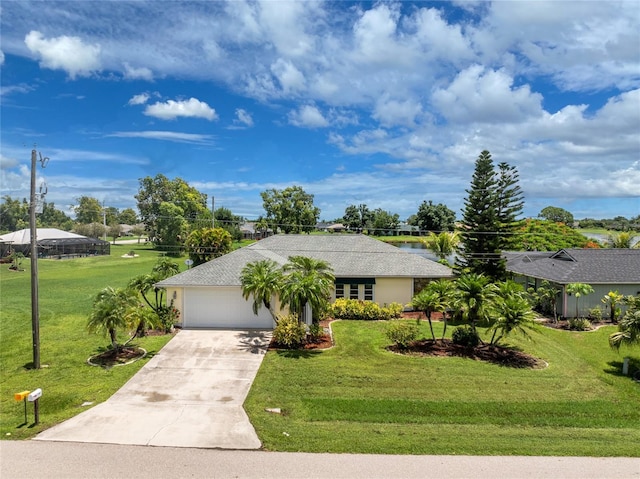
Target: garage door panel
218,307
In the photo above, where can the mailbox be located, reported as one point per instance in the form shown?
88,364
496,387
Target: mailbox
34,395
21,395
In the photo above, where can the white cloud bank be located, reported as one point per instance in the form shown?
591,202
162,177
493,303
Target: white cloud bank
172,109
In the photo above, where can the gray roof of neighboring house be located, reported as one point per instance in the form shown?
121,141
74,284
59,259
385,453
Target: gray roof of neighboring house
593,266
349,255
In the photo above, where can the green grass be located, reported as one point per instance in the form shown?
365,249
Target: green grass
360,398
66,292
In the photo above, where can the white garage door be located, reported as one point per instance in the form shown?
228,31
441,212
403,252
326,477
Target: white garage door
223,308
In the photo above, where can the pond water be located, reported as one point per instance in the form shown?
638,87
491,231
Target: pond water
419,248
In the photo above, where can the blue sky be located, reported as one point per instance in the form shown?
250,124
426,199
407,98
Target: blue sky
387,103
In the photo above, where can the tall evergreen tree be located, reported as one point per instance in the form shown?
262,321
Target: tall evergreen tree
493,202
509,203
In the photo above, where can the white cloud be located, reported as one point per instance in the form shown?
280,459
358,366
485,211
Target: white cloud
308,116
140,99
290,78
21,88
1,57
243,118
166,136
7,163
392,112
171,109
142,73
478,95
64,53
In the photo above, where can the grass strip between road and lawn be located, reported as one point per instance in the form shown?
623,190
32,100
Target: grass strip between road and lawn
360,398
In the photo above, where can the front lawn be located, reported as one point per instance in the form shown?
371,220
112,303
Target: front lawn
360,398
66,291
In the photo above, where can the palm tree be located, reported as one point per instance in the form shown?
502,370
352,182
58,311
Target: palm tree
578,290
446,291
307,281
512,312
611,300
474,297
261,280
443,244
547,295
427,302
144,283
628,333
112,310
620,240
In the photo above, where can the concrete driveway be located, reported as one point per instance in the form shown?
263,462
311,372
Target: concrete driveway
190,394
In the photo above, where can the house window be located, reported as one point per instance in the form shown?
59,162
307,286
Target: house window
353,291
339,291
368,292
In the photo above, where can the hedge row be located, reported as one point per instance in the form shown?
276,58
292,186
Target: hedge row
344,308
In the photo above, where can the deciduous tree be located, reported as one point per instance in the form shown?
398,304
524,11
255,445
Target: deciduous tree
205,244
291,210
88,210
557,215
155,192
435,218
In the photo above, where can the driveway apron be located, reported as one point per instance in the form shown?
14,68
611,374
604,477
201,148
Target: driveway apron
190,394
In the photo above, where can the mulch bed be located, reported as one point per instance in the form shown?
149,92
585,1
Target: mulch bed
564,324
491,353
122,356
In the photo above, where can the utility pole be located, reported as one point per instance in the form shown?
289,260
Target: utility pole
213,210
35,314
104,221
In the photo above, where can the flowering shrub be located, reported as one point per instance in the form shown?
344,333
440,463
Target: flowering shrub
344,308
289,332
168,316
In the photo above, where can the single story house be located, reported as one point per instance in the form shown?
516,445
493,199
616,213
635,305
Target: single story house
53,243
604,269
210,295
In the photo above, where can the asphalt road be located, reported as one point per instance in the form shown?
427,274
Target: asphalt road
51,460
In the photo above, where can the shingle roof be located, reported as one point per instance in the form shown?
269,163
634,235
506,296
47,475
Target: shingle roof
593,266
349,255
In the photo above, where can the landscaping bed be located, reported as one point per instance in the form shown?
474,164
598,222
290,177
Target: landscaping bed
485,352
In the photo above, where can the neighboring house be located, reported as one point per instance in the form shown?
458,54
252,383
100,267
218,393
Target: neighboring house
248,230
330,227
53,243
210,295
604,269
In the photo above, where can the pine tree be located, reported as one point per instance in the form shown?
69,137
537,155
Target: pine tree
493,202
510,202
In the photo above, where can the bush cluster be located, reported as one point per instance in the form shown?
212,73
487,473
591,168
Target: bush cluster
465,336
579,324
401,333
344,308
289,332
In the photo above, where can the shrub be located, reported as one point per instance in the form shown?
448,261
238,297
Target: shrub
465,336
315,331
289,332
579,324
401,333
595,314
344,308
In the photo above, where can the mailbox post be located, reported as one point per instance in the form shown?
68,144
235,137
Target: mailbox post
22,396
33,397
